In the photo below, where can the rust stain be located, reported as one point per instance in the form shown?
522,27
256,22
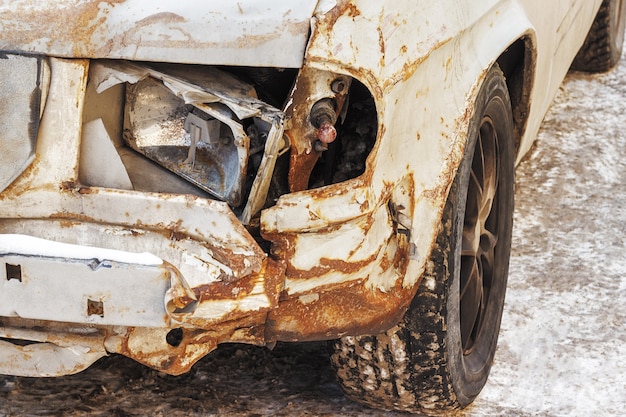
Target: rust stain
87,190
236,262
440,193
351,11
83,24
175,232
174,360
303,134
151,348
300,167
271,278
334,190
351,309
224,290
163,17
23,182
271,274
409,67
381,45
344,308
67,224
78,26
330,265
69,186
284,246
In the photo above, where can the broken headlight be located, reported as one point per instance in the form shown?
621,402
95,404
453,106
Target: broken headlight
205,126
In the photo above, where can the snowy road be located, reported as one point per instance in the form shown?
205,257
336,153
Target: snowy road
562,349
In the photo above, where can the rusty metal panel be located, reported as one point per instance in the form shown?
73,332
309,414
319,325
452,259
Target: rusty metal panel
247,32
46,280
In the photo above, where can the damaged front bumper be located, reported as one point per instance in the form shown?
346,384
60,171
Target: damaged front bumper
97,257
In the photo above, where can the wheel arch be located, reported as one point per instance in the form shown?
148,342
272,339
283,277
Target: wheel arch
518,63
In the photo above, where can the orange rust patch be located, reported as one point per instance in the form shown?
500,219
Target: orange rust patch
350,310
82,21
329,265
272,274
87,190
439,193
66,224
284,247
23,182
300,168
69,186
381,45
352,11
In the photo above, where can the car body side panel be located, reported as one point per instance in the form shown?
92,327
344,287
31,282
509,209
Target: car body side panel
557,43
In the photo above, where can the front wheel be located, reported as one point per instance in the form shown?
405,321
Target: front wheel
439,356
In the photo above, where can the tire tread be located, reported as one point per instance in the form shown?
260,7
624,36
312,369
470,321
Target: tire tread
600,52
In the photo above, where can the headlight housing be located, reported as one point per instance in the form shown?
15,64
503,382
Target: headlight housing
202,124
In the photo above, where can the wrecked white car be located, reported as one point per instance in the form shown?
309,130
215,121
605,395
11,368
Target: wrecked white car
176,175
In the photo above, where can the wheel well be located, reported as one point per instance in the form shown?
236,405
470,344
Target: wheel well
517,64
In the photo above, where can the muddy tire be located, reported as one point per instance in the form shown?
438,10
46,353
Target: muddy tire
603,47
439,356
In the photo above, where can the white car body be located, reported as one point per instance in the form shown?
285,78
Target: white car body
92,265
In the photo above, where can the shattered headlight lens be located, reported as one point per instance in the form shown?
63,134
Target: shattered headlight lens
205,126
202,143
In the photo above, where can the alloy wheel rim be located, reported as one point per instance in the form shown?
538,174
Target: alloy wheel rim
480,236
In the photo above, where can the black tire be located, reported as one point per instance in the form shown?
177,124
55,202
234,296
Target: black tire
438,357
602,49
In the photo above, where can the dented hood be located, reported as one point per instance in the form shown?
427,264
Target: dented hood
244,32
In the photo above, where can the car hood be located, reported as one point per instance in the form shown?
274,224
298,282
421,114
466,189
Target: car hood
270,33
